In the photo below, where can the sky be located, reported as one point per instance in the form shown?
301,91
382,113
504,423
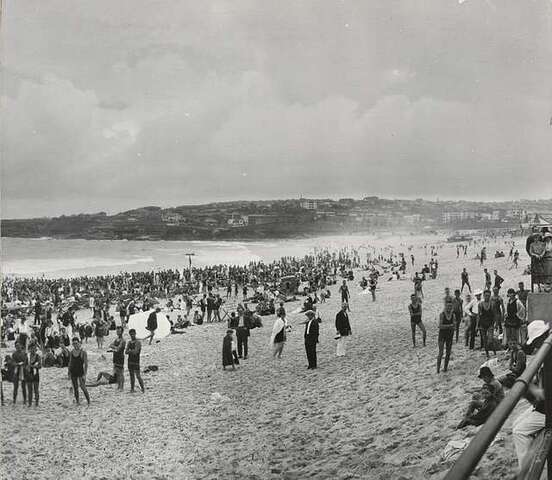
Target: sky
111,105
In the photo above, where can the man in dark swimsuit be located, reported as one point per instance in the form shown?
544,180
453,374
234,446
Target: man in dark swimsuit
446,335
486,322
415,310
465,281
133,349
118,349
458,308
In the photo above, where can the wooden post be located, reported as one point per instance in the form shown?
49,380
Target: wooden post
548,406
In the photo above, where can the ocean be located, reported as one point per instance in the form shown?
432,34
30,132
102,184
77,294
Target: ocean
68,258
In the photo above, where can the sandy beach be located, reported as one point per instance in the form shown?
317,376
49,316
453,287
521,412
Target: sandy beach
381,412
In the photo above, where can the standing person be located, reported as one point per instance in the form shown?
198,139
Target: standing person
515,314
485,322
99,331
122,313
227,357
242,332
216,308
32,377
487,279
373,284
210,307
278,337
133,349
229,289
311,338
446,335
472,310
203,306
19,362
498,310
344,290
78,368
516,259
464,276
418,288
118,349
498,280
522,295
343,328
24,332
189,305
483,256
152,324
415,310
458,308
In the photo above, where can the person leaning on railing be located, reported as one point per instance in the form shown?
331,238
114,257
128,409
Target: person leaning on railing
531,421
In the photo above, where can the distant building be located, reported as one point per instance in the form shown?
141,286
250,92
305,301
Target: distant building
236,220
308,204
258,219
172,218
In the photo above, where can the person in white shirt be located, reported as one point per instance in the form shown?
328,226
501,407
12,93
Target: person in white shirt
471,310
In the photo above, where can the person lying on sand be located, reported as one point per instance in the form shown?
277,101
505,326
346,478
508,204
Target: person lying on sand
104,378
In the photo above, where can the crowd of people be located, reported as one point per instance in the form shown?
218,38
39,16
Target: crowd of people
40,316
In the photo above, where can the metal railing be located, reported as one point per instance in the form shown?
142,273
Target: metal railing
540,452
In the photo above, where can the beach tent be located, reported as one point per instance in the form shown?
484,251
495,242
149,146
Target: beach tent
139,321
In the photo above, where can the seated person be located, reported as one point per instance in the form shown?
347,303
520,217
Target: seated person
518,361
484,401
49,358
8,369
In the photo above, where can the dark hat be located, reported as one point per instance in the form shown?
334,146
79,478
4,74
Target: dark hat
511,290
485,372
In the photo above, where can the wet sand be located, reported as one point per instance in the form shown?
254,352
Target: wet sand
379,413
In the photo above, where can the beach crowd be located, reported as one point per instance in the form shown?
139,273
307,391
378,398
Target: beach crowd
43,317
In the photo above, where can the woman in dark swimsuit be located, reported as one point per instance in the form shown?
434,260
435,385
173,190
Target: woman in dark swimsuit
78,366
415,309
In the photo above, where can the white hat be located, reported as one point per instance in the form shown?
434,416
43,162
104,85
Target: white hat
535,329
478,292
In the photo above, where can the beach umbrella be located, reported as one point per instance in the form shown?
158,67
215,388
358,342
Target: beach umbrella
139,321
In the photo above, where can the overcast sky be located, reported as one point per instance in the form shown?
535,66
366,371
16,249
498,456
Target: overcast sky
110,105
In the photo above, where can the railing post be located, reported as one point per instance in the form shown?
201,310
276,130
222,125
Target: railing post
548,406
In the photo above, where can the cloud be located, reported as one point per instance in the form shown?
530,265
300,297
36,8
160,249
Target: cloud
196,101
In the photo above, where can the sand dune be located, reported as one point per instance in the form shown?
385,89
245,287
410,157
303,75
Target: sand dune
380,413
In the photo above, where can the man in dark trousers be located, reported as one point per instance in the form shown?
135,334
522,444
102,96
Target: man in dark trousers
242,332
152,324
311,338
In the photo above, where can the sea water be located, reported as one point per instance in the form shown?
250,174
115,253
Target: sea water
68,258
